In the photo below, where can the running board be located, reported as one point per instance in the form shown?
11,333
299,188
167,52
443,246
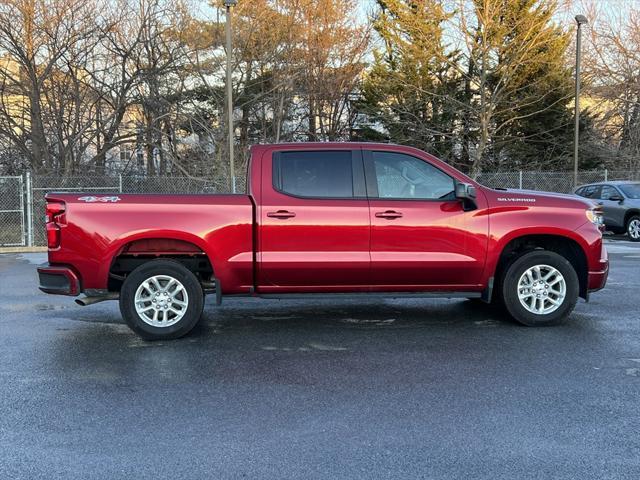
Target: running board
320,296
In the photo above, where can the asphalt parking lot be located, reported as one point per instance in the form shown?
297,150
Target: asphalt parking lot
294,390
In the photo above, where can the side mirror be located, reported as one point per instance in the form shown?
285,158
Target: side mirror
616,198
467,193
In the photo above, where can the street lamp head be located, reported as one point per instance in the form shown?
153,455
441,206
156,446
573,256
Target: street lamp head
230,3
581,19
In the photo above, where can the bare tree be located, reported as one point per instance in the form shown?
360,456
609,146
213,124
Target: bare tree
612,67
40,42
333,46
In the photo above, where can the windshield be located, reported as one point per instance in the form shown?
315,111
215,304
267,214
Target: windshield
631,190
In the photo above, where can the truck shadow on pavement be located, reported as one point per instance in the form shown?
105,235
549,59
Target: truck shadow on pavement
302,343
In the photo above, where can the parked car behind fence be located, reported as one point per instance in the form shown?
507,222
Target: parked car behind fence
620,201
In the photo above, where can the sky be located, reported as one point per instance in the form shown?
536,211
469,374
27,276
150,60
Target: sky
572,7
569,8
603,9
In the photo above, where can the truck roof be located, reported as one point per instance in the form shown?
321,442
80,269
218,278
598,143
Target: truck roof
331,144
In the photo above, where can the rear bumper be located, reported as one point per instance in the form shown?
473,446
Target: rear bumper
58,280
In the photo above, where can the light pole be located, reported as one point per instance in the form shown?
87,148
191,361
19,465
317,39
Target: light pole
580,20
229,4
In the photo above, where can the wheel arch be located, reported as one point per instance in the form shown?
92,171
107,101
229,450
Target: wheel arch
129,253
630,213
567,247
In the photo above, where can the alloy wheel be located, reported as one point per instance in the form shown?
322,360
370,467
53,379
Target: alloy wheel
161,301
542,289
634,229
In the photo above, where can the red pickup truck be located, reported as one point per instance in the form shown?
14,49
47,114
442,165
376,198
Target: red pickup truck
326,219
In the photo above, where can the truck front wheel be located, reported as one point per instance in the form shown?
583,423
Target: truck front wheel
540,288
161,299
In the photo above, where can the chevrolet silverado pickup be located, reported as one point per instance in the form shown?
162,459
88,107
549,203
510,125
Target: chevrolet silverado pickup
326,219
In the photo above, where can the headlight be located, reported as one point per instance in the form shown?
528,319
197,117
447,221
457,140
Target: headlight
594,215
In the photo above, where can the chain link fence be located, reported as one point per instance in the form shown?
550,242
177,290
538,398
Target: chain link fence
12,218
22,201
560,182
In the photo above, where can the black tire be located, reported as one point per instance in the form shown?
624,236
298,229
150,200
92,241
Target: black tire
192,311
633,223
517,268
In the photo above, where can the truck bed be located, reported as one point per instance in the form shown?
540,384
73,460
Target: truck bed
98,227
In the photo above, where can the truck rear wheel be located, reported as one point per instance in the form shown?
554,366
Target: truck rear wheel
161,299
540,288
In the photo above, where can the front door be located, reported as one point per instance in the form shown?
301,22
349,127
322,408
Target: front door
313,222
421,235
614,211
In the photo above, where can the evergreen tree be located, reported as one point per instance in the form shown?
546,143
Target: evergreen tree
409,92
501,100
520,86
533,123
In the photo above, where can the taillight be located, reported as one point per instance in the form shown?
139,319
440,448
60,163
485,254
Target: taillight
53,235
54,209
54,218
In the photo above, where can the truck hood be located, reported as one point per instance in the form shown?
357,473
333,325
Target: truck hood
533,198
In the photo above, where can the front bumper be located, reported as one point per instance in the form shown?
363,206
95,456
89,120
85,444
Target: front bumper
58,280
598,276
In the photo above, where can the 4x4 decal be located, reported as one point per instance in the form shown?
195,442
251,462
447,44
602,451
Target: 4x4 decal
92,199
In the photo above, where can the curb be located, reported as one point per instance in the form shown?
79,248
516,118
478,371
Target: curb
22,249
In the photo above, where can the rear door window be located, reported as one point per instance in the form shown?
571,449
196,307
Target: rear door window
319,174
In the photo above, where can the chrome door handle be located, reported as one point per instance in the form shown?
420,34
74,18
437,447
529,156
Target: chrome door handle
282,214
389,214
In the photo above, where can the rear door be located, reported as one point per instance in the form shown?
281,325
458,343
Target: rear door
313,222
421,236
